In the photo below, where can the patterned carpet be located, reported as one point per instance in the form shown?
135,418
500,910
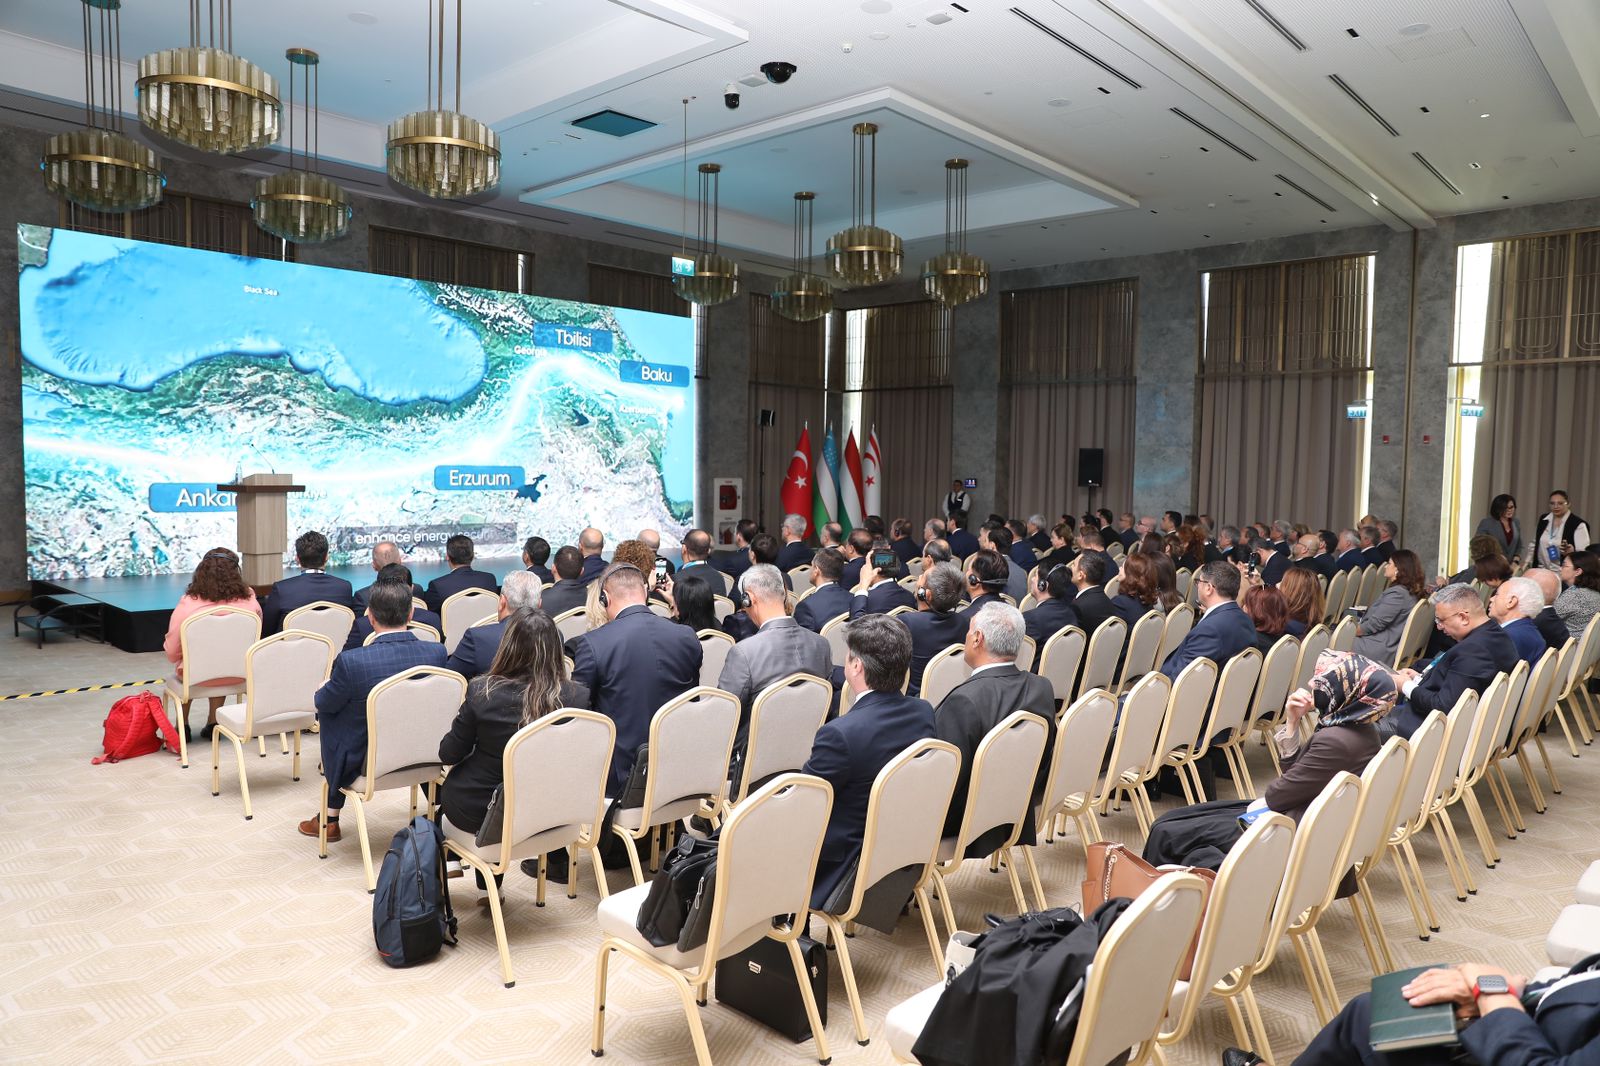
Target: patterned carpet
147,921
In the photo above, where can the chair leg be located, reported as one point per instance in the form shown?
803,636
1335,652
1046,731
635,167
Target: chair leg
599,871
944,901
1549,767
1559,715
244,781
1261,1045
1505,802
818,1033
366,845
1535,793
1411,897
1016,883
1378,933
1449,859
283,740
261,746
1422,887
572,871
294,769
1033,875
180,714
633,855
837,938
1181,771
925,906
1579,718
1308,970
1480,826
1241,1035
216,754
1453,842
597,1039
539,882
1321,959
1366,937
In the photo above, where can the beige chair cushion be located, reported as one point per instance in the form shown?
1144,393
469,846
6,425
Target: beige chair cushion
231,717
1548,973
539,844
618,912
174,685
1589,885
1575,936
905,1020
665,812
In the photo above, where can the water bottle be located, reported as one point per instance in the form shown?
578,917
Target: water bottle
238,471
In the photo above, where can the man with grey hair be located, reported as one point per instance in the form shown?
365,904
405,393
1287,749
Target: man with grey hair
933,529
1038,531
779,647
849,751
993,691
794,552
1514,605
1371,554
384,553
591,542
1387,531
1350,556
1228,549
936,624
1481,650
1282,536
1551,627
476,650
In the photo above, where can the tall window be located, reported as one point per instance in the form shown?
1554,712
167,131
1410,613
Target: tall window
184,220
1067,355
1524,379
1285,350
787,377
448,261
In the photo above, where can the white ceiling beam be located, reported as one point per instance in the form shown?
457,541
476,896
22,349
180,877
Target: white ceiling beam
1566,35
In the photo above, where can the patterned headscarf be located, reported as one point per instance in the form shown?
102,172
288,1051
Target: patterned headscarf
1350,689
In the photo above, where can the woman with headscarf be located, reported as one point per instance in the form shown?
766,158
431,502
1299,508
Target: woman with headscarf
1350,694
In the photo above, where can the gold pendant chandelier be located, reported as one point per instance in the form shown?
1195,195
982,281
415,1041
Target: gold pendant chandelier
204,95
439,153
954,277
716,277
98,166
801,295
865,253
299,204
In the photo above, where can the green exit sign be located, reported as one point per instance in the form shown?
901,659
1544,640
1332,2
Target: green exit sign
682,267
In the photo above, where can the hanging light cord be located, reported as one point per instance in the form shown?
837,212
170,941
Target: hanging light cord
683,220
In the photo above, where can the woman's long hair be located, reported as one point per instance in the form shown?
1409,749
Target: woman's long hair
530,655
1266,607
1167,596
1408,573
1303,593
217,579
695,601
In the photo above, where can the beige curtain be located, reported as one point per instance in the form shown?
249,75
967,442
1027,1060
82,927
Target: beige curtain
1067,355
616,287
903,385
447,261
786,377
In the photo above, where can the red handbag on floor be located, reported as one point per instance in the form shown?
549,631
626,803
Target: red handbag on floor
136,726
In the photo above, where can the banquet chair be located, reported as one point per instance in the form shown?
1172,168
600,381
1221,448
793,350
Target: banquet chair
332,620
1100,661
1382,784
1144,640
945,670
1179,621
784,719
214,643
1133,758
1181,725
462,610
1411,813
1060,659
573,623
714,648
1083,735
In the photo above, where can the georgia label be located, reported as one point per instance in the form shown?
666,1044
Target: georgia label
579,338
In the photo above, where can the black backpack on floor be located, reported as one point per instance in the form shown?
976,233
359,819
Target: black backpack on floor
411,915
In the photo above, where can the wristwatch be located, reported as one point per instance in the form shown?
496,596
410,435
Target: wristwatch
1490,984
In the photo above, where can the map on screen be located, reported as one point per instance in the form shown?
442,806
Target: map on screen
410,410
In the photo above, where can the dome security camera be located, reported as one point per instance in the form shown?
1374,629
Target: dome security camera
778,72
730,96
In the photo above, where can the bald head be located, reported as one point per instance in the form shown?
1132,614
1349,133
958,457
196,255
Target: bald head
383,553
591,541
1548,581
650,539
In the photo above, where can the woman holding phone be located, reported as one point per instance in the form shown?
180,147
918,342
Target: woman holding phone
1559,534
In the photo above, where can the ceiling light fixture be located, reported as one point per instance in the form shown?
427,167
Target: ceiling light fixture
864,253
439,153
99,166
715,277
300,205
954,277
802,295
204,95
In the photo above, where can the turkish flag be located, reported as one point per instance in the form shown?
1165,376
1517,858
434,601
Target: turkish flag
797,482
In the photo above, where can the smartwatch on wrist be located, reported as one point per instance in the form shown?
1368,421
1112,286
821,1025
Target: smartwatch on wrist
1490,984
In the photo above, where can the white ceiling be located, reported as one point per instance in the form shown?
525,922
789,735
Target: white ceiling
1069,160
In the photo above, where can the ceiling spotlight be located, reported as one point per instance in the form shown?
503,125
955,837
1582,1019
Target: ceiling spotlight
778,72
1484,115
846,47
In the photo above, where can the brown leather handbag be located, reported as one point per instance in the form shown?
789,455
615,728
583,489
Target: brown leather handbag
1116,872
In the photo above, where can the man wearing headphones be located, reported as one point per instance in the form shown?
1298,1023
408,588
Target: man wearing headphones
986,580
1054,611
936,624
830,599
1091,602
998,540
779,647
877,591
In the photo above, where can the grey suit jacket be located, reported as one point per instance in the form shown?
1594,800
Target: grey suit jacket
1383,624
778,649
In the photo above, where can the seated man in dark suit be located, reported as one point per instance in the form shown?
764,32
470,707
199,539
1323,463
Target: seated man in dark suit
535,554
900,541
384,553
986,580
1272,564
936,550
857,546
877,591
1282,537
1054,611
568,591
1090,542
363,628
1129,534
1090,602
1481,650
697,561
994,690
1038,533
962,543
1551,627
795,552
633,664
311,585
1349,555
475,652
830,600
936,624
764,551
342,699
998,540
1387,532
849,751
1509,1021
736,562
458,553
592,543
779,647
1222,631
1514,606
1021,547
651,538
1371,554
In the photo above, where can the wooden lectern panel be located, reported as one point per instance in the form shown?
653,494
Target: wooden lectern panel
262,510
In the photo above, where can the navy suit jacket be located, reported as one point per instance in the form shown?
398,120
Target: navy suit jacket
881,598
1022,555
1552,628
1093,607
962,543
978,604
1047,619
593,566
475,653
1222,633
362,594
1526,636
733,564
444,586
544,575
1129,537
363,628
1385,548
931,633
847,753
721,584
905,548
1352,559
1112,569
793,554
631,666
1128,609
1372,556
562,597
342,699
300,590
1471,663
817,609
1566,1031
1276,566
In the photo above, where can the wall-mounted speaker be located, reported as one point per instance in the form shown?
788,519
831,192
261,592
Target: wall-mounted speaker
768,417
1091,467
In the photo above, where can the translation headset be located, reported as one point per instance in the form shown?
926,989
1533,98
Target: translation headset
991,585
617,568
1044,578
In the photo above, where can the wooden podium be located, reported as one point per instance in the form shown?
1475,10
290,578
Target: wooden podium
262,508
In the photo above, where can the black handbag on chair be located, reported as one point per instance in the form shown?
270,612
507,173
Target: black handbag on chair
759,982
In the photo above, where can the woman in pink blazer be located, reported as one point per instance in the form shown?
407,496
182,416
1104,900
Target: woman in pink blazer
217,581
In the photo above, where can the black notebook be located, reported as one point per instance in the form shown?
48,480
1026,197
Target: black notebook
1397,1025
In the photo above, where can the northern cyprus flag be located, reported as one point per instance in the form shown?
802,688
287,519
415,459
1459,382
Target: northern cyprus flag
872,476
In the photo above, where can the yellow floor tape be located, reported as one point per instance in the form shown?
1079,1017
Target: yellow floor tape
85,688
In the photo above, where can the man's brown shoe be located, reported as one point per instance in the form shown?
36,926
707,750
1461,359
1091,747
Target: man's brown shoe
309,828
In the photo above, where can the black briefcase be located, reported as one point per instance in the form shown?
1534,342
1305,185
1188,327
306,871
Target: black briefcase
759,982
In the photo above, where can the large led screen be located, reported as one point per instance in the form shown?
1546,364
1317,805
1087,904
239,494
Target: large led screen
409,410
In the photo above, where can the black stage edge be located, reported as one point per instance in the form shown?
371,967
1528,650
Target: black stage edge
123,626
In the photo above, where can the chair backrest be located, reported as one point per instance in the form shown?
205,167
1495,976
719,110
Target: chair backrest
915,566
1537,698
1179,621
214,642
945,670
1459,725
1312,645
784,720
423,631
800,576
418,603
406,716
905,813
833,633
1001,788
1382,784
555,778
282,673
1142,714
1371,585
1059,661
714,648
1414,637
902,609
1277,680
1333,602
1026,653
573,623
1352,593
1105,648
1317,859
722,607
766,861
1114,586
1114,549
1569,673
1500,702
1589,643
1144,640
661,610
909,583
1130,982
1422,766
1231,708
463,609
1029,602
1185,579
1082,737
691,741
1187,701
1344,634
332,620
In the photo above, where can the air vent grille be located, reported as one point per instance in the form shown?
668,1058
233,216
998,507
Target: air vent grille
1307,193
1209,132
1361,102
1277,25
1084,52
1431,169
